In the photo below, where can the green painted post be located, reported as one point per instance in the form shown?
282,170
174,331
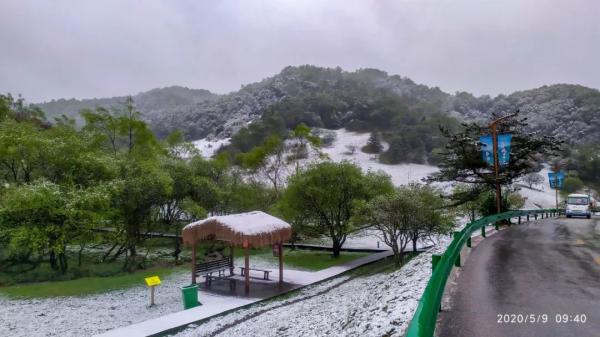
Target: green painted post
535,215
483,231
469,242
457,262
435,259
527,217
496,225
519,219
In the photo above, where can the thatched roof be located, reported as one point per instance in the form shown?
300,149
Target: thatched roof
259,228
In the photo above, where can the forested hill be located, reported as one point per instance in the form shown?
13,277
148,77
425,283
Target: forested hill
317,96
363,100
571,112
155,102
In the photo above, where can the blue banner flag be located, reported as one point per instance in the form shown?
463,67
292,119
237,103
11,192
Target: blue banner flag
556,179
487,149
504,149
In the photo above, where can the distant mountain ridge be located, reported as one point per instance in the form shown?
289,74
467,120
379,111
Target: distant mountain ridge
150,103
331,97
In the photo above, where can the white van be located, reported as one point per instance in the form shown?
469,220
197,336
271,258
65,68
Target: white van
578,205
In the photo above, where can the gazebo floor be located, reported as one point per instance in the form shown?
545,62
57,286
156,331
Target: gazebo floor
258,288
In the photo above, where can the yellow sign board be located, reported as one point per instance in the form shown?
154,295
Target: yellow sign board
152,281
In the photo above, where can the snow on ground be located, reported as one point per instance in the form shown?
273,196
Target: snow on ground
93,314
88,315
542,196
208,147
401,174
366,238
378,305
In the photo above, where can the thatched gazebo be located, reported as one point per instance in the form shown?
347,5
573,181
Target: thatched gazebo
252,229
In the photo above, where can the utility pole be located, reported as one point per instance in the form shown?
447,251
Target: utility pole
556,187
494,131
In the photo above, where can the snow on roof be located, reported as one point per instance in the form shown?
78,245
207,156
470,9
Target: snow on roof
250,223
257,227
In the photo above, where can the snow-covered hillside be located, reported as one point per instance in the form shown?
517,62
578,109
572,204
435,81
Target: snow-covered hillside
542,196
401,174
339,151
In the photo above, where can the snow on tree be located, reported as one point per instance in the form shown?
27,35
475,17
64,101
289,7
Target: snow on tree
533,179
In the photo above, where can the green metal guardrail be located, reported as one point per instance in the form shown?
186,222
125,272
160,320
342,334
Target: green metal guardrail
424,319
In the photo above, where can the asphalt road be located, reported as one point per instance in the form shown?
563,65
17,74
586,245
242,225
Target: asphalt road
550,267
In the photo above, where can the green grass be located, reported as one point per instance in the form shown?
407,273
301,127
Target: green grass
307,259
86,285
317,260
94,277
385,266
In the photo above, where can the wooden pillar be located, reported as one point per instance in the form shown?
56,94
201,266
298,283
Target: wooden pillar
280,263
194,263
246,246
231,258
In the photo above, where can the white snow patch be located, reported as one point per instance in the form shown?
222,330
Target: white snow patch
544,198
401,174
94,314
208,147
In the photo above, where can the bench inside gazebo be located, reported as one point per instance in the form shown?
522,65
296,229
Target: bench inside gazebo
247,230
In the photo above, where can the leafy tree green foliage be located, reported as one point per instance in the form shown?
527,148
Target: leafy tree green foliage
462,160
585,160
141,184
511,199
515,201
303,139
20,111
60,185
409,213
472,207
267,160
257,133
327,193
59,154
41,217
572,184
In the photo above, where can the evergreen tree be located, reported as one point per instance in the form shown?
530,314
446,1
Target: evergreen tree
462,160
373,144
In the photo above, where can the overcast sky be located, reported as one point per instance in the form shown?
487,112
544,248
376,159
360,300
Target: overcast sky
81,49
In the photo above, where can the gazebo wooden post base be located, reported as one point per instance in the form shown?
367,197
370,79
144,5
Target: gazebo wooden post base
194,263
231,258
280,244
247,266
